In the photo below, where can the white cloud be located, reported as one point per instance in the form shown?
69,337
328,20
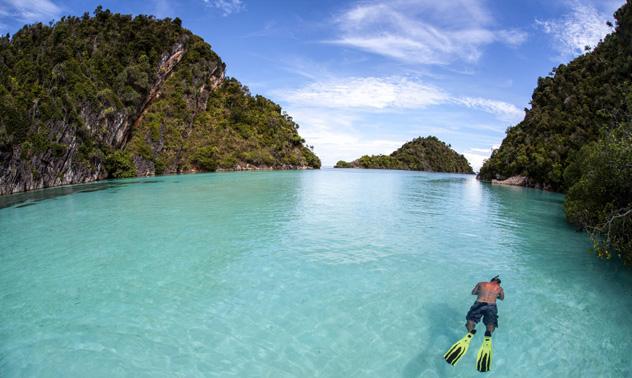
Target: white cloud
482,150
513,37
366,92
162,8
503,110
30,10
330,110
416,31
227,7
475,160
583,26
332,133
390,93
477,156
306,68
335,137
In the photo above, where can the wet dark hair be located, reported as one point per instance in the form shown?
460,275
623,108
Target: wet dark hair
495,278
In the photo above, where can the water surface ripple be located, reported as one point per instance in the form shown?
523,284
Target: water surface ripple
331,273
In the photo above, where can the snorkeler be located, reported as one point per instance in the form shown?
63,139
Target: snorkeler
484,307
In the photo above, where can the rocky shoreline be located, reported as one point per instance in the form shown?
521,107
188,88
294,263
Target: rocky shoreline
513,181
239,168
521,181
250,167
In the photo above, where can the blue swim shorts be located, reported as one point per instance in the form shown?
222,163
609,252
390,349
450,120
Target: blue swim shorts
488,311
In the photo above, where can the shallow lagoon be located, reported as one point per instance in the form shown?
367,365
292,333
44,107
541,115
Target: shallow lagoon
330,273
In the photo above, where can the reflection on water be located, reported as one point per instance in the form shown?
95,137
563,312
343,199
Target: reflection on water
50,193
330,273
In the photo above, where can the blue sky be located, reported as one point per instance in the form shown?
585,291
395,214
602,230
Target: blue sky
363,77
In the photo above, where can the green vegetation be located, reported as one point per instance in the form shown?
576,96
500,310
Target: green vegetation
600,199
343,164
120,165
234,129
576,139
93,94
420,154
50,75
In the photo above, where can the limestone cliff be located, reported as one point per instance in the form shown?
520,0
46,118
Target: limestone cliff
112,95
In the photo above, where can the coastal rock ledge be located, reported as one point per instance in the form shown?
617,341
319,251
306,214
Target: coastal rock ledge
513,180
521,181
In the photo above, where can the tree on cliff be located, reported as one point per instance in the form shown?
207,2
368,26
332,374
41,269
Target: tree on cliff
113,95
576,139
420,154
600,199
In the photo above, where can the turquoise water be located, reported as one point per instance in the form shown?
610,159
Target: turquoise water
331,273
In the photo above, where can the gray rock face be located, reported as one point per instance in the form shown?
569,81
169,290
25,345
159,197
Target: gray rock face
18,175
27,170
144,167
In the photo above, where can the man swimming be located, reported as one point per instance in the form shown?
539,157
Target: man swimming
485,308
485,305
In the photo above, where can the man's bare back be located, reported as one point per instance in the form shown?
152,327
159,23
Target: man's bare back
488,292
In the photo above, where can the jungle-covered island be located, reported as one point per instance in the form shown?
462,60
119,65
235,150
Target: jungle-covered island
146,269
577,139
420,154
109,95
112,96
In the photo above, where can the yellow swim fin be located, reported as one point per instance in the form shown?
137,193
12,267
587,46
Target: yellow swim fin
456,351
484,357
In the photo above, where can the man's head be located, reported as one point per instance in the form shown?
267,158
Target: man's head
495,279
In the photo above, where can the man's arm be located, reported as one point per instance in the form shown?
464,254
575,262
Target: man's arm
476,289
501,295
